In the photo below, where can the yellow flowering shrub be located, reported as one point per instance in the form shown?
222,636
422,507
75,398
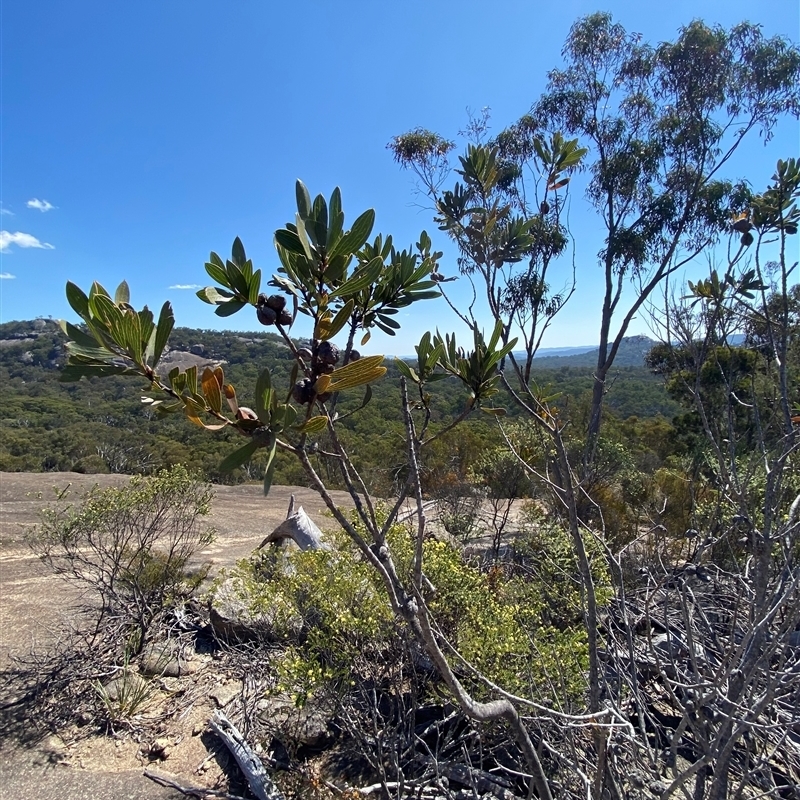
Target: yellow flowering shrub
494,621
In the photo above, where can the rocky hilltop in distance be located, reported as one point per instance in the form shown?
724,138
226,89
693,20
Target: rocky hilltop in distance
631,354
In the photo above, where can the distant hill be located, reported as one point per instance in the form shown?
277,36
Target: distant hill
631,354
100,425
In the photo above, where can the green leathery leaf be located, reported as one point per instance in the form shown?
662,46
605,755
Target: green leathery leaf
74,372
146,323
78,336
358,380
77,300
385,328
103,309
335,218
264,396
419,285
335,227
191,379
231,307
290,241
330,329
336,269
420,272
388,321
238,255
269,472
498,329
178,381
239,457
236,277
355,238
283,416
217,273
319,229
406,371
132,333
213,296
313,425
102,312
166,321
98,289
360,279
357,373
506,349
302,235
293,379
86,352
254,288
303,199
123,294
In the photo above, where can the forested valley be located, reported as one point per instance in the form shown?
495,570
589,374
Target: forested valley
98,426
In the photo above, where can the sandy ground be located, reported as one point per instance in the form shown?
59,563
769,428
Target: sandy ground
35,604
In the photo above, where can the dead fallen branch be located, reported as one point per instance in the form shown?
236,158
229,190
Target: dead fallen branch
189,791
260,783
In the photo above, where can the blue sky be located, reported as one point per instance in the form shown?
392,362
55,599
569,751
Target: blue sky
137,137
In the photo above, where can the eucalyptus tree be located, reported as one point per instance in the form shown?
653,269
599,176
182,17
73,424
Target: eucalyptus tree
655,128
662,122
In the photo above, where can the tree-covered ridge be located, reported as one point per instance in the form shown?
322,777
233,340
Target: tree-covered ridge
99,425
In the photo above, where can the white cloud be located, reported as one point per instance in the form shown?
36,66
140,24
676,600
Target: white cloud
7,276
186,286
40,205
21,240
4,211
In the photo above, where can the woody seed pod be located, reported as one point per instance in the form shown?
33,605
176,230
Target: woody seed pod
266,316
303,391
328,353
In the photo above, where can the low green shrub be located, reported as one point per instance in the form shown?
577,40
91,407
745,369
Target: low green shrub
498,627
130,546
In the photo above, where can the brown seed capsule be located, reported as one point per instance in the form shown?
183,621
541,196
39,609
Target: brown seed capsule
303,391
327,368
324,397
328,353
747,239
544,208
354,355
266,316
305,353
284,318
277,302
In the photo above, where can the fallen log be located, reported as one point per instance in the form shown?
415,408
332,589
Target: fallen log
260,783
